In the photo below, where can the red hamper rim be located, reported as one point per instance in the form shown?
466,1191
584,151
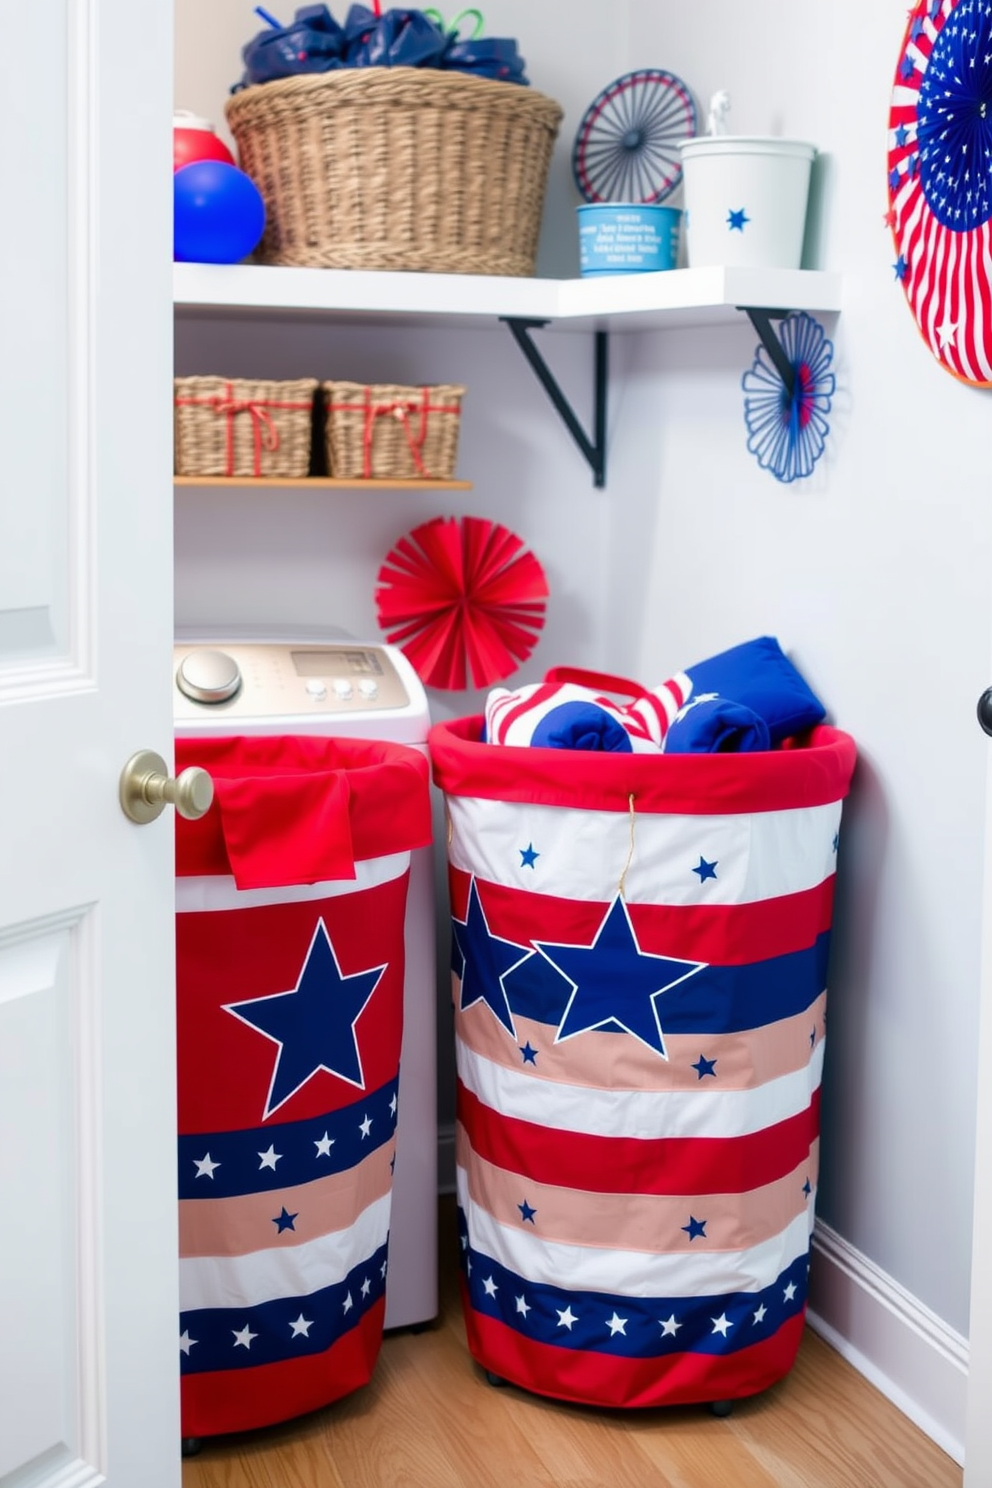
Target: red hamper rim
811,770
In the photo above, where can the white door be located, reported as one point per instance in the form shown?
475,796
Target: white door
88,1287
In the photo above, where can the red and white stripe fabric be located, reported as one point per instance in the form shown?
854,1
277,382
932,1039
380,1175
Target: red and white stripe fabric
639,973
517,716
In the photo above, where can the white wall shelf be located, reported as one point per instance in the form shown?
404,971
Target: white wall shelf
620,302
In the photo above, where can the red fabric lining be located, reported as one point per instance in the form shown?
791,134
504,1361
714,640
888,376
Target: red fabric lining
810,771
291,809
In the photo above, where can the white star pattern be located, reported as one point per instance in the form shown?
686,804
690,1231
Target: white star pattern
948,330
382,1269
759,1316
348,1303
365,1126
270,1158
566,1318
205,1166
185,1342
302,1326
617,1325
669,1327
523,1306
392,1106
244,1338
790,1292
490,1287
366,1287
324,1145
722,1324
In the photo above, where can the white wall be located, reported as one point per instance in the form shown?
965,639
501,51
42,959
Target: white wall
874,572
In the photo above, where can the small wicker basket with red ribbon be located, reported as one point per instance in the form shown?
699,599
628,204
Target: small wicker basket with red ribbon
385,432
239,427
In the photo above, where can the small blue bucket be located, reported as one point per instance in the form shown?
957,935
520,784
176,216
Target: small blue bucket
627,238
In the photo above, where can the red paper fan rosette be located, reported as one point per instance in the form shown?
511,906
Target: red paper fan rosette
460,596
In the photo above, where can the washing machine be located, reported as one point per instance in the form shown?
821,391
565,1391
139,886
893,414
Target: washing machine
349,689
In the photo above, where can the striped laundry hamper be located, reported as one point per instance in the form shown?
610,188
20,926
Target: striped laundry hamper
290,895
639,968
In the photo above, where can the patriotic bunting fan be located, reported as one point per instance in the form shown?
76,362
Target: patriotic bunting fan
940,180
463,599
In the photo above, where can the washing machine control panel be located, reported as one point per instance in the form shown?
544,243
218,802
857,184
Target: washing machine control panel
267,681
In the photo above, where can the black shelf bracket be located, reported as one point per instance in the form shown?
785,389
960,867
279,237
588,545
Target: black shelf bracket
762,322
594,450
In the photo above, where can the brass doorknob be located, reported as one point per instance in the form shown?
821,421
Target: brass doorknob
147,787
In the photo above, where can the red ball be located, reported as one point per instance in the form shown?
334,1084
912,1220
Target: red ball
190,145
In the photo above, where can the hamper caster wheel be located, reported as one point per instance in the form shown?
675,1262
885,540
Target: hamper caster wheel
191,1445
496,1380
721,1407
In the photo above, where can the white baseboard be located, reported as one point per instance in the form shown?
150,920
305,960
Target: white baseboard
889,1336
446,1158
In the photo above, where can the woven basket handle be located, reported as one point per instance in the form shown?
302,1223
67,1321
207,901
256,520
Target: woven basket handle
601,681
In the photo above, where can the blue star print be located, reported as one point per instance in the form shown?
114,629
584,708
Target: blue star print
695,1228
526,1212
530,1055
736,220
284,1221
313,1025
528,857
614,983
705,870
901,268
487,958
705,1066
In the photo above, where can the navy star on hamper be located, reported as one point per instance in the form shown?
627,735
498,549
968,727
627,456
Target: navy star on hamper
314,1024
486,960
615,983
528,857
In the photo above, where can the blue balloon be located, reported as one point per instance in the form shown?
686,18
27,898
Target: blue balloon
219,213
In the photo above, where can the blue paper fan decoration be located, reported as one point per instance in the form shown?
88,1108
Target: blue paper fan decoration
626,148
787,431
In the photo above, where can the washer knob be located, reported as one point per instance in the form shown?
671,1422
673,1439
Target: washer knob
208,676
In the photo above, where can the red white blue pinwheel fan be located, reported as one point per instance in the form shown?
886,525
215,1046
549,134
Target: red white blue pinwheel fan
627,146
787,429
940,180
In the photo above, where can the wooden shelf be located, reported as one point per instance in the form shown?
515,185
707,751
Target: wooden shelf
318,482
618,302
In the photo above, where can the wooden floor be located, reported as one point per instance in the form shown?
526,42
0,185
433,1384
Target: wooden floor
430,1420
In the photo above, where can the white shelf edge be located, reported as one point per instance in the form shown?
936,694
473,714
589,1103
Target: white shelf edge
618,302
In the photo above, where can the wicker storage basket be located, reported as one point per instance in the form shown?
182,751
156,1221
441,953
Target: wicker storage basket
398,168
234,426
382,432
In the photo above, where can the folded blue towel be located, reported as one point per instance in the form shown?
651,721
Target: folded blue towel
759,675
715,725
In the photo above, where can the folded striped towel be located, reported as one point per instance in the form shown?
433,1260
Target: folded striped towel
567,715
